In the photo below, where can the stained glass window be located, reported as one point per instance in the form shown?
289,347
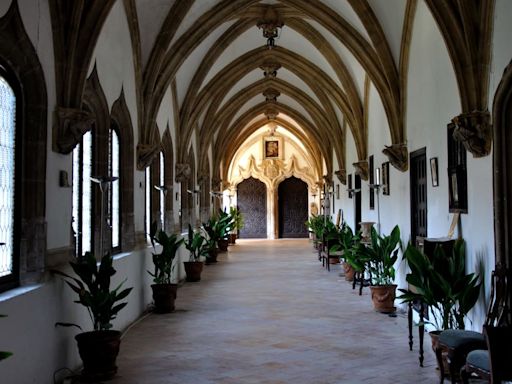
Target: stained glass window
114,194
82,198
7,176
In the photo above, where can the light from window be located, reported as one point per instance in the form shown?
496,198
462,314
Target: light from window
114,194
82,204
7,172
148,200
162,193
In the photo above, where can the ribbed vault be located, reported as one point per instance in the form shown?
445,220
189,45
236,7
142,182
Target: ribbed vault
201,51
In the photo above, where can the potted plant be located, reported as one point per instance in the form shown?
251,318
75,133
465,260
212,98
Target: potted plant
197,246
350,244
98,348
238,223
442,285
164,290
213,233
315,225
225,223
4,355
381,255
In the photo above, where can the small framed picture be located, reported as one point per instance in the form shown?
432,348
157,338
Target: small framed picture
272,147
433,172
385,178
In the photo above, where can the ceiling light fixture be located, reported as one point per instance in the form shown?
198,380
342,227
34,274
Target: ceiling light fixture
270,24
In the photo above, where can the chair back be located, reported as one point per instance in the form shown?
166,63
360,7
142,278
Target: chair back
499,344
499,310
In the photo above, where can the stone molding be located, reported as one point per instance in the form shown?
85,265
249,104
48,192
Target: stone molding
361,169
397,156
474,130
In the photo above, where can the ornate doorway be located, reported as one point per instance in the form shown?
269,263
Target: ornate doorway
252,203
293,208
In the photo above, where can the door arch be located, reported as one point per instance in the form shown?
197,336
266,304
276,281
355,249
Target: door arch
252,203
293,208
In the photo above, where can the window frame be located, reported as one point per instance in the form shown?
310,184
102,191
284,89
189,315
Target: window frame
109,216
457,174
12,280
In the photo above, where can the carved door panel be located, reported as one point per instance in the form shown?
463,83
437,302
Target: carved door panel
293,208
252,203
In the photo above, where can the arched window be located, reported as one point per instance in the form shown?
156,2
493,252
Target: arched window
9,183
148,199
163,190
82,195
114,198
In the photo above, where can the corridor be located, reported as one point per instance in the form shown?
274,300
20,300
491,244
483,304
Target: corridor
269,313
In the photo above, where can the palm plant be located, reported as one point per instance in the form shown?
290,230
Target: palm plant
381,256
442,284
196,244
93,289
163,261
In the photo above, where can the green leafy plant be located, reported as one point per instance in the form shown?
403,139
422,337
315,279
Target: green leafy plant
225,221
93,289
163,261
237,217
316,224
4,355
381,256
442,284
196,244
353,249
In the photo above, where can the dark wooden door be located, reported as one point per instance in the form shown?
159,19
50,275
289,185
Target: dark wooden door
252,203
418,174
293,208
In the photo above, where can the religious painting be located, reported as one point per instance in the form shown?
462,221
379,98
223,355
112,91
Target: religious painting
272,147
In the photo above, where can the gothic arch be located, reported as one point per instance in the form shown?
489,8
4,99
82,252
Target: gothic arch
18,56
120,115
502,116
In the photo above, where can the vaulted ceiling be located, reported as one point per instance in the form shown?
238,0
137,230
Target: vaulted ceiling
214,58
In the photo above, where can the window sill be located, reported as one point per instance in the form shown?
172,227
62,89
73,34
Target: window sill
18,291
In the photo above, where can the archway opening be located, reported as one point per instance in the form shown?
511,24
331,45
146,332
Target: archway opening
293,208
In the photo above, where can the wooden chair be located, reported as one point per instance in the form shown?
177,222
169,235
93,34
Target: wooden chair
494,363
327,254
456,344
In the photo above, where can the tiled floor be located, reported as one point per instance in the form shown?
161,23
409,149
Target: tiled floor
269,313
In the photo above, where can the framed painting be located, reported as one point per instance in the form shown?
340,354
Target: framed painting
272,147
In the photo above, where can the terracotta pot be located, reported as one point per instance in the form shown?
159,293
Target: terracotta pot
212,256
164,296
434,338
232,238
98,350
383,297
223,245
193,270
349,272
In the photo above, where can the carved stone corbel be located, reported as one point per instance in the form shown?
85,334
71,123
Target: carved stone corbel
474,130
342,176
203,179
361,169
70,126
183,172
270,68
145,155
397,156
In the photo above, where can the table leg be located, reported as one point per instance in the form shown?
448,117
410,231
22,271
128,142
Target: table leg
409,320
